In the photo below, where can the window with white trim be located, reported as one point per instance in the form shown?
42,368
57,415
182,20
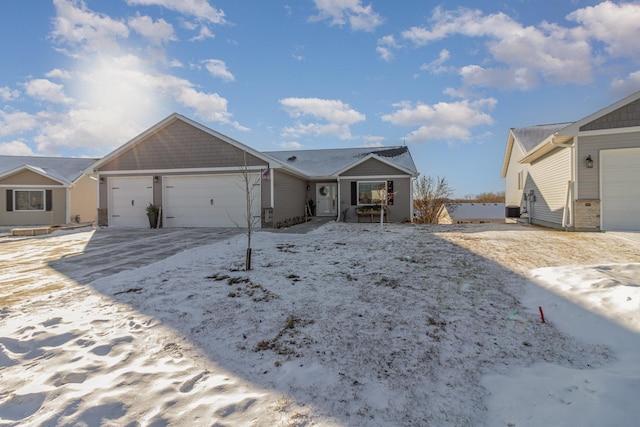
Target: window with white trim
371,192
520,180
29,200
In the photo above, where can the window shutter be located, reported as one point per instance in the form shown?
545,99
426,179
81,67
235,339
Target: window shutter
354,193
49,201
9,200
390,193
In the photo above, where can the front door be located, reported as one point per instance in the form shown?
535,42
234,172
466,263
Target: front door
327,199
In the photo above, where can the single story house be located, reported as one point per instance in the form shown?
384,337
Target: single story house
46,191
198,177
471,213
581,176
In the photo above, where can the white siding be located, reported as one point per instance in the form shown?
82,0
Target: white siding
513,195
548,179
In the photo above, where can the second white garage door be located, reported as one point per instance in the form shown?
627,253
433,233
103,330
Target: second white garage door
209,201
620,189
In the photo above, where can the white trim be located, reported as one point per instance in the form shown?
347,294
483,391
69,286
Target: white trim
25,186
272,188
369,181
178,171
37,171
373,177
611,131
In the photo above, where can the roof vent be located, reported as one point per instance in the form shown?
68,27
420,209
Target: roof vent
292,158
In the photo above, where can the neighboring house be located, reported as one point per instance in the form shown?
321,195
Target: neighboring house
578,176
471,213
196,176
46,191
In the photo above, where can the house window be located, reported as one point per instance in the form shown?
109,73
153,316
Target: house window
520,180
371,193
29,200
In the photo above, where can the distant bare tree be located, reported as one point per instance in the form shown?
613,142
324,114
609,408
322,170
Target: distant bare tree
490,197
428,196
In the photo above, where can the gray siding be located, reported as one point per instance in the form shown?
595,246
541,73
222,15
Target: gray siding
180,146
548,178
588,179
400,211
627,116
372,167
289,201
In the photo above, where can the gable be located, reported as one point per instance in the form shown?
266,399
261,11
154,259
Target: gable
27,177
373,167
179,145
625,116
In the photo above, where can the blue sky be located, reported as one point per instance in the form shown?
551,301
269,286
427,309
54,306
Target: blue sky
80,78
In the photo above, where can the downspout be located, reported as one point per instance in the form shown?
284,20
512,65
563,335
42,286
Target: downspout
568,213
339,205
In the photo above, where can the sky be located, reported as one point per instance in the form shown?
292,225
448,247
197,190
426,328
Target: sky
81,78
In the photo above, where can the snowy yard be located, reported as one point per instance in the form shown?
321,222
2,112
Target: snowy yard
345,326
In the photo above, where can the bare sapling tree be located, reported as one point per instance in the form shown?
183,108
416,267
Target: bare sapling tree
249,182
429,196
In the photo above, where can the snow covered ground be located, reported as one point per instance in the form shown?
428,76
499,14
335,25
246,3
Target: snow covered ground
347,325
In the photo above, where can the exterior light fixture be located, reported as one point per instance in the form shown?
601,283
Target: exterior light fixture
101,180
589,161
156,179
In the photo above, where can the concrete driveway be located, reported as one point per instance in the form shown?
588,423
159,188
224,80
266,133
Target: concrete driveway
37,266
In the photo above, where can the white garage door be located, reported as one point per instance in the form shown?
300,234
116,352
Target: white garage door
209,201
128,201
620,189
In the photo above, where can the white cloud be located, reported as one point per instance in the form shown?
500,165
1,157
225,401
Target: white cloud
616,25
205,33
444,120
218,68
46,90
16,123
293,145
625,86
75,25
7,94
57,73
338,115
15,148
359,17
385,46
158,32
436,66
548,52
200,9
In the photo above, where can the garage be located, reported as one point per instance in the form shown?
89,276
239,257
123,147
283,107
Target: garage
209,201
129,198
620,189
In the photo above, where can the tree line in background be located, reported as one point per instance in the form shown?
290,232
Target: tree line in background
429,194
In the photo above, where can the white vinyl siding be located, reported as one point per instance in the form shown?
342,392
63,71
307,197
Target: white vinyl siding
548,179
513,193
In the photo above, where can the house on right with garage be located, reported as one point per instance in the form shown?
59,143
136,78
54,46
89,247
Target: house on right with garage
577,176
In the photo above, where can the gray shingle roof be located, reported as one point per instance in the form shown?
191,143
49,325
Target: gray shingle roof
530,137
59,168
329,161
